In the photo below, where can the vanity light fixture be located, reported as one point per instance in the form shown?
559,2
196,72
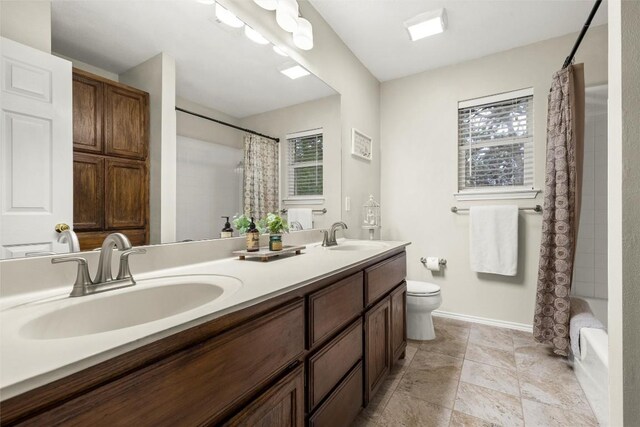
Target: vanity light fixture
267,4
287,15
279,51
226,17
426,24
254,36
303,35
294,72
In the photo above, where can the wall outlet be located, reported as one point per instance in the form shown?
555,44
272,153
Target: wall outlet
347,203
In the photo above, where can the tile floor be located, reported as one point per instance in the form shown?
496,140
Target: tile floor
476,375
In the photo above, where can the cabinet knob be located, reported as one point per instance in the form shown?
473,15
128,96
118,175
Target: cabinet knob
62,227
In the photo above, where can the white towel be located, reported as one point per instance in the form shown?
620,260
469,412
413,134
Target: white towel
303,215
493,239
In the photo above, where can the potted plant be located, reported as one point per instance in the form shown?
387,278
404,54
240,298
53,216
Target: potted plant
276,226
241,223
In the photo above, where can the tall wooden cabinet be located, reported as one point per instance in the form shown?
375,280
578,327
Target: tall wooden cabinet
110,167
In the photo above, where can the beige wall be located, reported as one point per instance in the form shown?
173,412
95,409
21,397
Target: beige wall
158,77
624,221
419,169
89,68
205,130
322,113
332,61
27,22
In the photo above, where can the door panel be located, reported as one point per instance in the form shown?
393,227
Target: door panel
126,198
87,114
88,192
125,122
377,350
36,181
398,321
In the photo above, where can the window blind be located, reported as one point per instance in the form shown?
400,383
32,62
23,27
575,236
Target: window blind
495,144
304,161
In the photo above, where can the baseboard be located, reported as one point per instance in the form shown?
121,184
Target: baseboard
484,321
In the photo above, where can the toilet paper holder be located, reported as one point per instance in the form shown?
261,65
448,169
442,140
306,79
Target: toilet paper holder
441,261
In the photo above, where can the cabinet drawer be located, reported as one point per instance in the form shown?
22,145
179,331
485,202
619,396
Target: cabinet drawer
333,307
343,405
332,362
281,405
382,277
196,386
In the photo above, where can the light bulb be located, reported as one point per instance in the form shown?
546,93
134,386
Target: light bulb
287,15
303,35
267,4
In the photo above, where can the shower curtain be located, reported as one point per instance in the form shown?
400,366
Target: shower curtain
565,139
260,176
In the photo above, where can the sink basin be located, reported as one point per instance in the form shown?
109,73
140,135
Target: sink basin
359,246
148,301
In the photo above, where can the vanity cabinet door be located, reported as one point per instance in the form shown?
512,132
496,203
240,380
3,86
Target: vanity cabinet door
377,354
281,405
126,195
87,113
88,192
398,321
126,122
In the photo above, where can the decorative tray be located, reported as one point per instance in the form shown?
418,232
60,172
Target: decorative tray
265,254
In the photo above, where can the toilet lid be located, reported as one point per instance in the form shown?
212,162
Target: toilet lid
421,288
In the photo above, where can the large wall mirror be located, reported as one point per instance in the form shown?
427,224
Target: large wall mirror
204,138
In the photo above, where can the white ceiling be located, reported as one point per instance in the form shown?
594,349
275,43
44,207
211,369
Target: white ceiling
374,30
216,65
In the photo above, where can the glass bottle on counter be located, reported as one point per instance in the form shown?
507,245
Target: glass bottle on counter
253,238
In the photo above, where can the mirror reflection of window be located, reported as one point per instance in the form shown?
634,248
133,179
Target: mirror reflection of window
305,168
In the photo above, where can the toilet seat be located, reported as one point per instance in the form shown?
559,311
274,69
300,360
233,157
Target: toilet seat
422,289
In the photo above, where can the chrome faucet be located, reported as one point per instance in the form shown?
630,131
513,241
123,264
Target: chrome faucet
103,280
330,235
71,238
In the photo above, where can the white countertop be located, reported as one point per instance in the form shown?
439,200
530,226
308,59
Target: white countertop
27,363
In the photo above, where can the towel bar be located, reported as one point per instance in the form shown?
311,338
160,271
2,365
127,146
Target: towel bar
320,211
536,208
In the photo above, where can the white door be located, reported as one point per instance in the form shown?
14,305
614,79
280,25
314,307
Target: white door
36,149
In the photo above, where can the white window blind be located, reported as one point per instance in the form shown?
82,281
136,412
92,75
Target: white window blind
495,143
304,161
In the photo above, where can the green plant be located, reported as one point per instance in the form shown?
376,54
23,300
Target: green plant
275,224
241,223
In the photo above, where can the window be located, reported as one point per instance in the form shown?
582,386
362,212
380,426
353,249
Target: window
304,160
495,145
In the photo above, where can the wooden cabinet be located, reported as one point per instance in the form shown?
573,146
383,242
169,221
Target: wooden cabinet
111,168
281,405
87,113
382,277
125,130
88,189
377,333
398,342
251,367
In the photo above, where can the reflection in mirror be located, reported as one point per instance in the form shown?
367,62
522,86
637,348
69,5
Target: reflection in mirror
149,162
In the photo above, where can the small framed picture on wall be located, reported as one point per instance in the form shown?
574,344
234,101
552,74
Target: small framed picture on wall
361,144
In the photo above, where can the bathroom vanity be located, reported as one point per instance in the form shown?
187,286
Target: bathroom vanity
313,353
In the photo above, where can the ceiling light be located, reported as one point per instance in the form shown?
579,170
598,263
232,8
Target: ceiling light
426,24
254,36
303,35
227,17
295,72
287,15
279,51
267,4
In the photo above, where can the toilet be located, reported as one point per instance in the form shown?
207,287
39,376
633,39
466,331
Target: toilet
422,299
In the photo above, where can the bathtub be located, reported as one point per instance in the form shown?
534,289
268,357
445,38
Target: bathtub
592,367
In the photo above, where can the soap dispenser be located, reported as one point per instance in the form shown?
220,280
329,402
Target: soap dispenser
227,231
253,238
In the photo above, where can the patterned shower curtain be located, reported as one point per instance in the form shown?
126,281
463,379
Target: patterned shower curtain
565,138
260,176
